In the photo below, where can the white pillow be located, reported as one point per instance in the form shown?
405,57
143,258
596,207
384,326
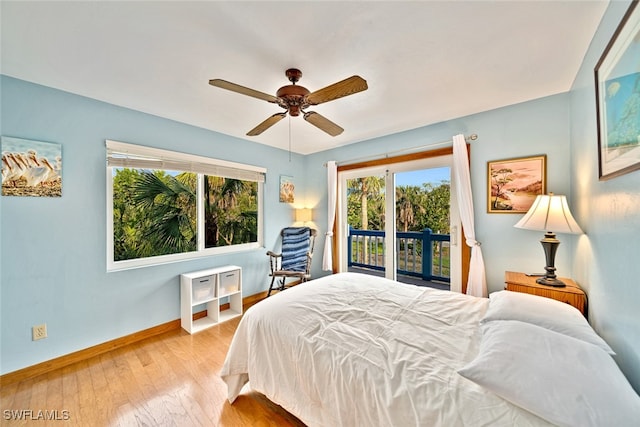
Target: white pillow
564,380
545,312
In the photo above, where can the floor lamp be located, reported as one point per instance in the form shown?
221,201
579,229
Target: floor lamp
550,213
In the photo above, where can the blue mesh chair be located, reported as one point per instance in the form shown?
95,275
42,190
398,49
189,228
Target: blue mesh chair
295,259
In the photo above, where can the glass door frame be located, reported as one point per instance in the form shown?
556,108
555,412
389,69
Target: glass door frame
389,255
389,169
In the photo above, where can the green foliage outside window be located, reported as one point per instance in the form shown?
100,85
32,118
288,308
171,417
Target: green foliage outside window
417,207
231,211
154,212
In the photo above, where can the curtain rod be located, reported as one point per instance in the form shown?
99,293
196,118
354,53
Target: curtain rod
471,137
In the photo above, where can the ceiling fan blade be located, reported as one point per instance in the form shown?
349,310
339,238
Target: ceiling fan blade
349,86
266,124
323,123
243,90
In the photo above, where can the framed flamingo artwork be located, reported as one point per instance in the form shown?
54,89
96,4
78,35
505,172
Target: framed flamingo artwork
31,168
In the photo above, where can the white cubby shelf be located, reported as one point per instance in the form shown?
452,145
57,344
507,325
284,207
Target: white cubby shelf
209,287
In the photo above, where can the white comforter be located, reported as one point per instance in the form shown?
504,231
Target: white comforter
356,350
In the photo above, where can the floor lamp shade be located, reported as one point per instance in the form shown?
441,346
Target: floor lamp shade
550,213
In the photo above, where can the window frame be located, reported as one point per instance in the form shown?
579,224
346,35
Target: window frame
197,162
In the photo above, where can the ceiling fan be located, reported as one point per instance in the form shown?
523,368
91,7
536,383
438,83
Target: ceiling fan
295,99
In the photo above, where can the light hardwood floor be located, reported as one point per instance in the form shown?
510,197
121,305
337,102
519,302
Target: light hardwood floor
168,380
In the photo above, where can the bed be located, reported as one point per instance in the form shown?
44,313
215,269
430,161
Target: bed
357,350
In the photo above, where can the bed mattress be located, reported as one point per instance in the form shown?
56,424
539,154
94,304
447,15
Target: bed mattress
357,350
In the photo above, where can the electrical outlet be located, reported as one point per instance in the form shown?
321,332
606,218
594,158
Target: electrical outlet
39,332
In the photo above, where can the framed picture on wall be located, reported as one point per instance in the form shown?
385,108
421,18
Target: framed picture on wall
513,184
31,168
287,189
618,99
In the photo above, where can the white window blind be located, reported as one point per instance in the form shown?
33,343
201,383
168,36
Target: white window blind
120,154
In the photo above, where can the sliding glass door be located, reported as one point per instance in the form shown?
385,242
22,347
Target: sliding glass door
365,197
400,221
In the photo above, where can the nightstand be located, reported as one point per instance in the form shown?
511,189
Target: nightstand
571,294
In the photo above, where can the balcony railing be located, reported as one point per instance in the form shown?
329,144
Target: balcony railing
418,253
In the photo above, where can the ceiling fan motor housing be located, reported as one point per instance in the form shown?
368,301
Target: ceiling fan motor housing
293,98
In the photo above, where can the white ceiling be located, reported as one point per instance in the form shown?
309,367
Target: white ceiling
424,61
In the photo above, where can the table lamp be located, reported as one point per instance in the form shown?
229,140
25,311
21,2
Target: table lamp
550,213
303,215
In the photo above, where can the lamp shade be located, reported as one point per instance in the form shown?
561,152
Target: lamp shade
550,213
303,215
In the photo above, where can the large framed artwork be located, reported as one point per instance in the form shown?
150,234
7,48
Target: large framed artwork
31,168
617,76
513,184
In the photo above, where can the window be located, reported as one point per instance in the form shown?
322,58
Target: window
164,206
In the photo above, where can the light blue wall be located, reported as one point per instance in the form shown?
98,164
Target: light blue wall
531,128
606,261
53,265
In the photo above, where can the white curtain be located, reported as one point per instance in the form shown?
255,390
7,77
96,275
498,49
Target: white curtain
332,191
477,283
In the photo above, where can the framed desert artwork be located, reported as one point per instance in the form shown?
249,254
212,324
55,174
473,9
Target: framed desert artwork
31,168
513,184
617,99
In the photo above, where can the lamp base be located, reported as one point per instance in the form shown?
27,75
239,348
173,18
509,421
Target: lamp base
550,246
551,281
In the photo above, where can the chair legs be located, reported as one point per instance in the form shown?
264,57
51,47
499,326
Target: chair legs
273,279
280,288
282,278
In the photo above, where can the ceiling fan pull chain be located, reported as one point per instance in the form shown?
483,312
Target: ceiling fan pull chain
289,139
